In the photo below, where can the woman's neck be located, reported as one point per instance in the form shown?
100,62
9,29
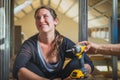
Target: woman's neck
46,38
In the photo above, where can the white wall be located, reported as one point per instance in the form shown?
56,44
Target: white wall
66,26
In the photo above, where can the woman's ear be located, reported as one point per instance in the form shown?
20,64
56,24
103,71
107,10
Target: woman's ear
56,21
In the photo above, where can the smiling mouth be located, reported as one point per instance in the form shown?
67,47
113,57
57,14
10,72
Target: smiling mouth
42,25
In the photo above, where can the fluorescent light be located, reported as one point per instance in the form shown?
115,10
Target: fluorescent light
22,6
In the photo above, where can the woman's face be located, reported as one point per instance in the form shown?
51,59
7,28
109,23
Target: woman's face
44,21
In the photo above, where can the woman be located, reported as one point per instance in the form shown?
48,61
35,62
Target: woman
42,56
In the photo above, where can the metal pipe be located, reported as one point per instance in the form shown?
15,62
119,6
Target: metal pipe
7,41
83,22
5,28
114,37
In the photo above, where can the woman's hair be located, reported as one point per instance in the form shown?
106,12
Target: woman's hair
59,38
52,11
58,41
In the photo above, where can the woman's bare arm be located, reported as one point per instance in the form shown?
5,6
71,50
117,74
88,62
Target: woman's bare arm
25,74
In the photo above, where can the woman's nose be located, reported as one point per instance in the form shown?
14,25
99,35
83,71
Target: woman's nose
41,19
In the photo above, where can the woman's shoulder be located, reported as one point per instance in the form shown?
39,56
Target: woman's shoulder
67,40
68,43
34,37
32,40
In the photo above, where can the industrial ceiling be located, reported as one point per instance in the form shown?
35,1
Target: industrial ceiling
99,11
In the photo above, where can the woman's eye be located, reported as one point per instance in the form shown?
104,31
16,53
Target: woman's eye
45,16
37,17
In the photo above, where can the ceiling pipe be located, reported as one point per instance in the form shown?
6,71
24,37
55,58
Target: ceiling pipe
83,22
114,37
